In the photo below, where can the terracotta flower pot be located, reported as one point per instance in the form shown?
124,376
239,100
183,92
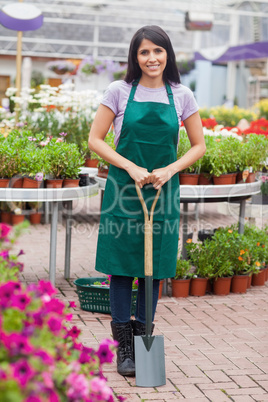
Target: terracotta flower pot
266,273
35,218
103,172
16,182
161,283
70,183
198,286
91,162
204,180
251,177
30,183
16,219
224,179
4,183
222,286
189,179
259,278
6,217
180,287
239,284
54,183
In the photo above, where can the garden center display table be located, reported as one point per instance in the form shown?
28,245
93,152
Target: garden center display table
238,193
54,196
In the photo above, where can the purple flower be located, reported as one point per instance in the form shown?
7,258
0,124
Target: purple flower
98,386
21,301
84,358
72,304
54,324
4,230
22,372
79,387
21,252
104,352
39,176
63,134
19,124
33,398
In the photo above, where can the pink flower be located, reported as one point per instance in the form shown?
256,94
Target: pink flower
7,291
21,301
79,387
104,352
72,304
4,230
44,356
4,254
54,324
47,378
17,344
46,287
39,176
99,387
59,140
63,134
55,306
22,372
73,332
33,398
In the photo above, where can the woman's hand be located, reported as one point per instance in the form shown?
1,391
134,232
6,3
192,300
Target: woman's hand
139,174
160,176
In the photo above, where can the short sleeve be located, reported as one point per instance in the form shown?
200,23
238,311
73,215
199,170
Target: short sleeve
111,97
190,107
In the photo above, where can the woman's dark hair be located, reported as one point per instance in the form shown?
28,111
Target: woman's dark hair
159,37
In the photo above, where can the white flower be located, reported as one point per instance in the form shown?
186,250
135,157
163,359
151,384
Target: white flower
11,91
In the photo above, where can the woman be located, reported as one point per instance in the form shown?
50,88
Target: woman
146,109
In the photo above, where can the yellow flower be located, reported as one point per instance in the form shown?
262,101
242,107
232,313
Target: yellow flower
257,263
242,252
240,258
189,241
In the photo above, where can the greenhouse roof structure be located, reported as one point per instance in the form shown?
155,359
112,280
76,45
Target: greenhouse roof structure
76,29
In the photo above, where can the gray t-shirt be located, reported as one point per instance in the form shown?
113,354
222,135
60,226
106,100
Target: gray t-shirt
117,94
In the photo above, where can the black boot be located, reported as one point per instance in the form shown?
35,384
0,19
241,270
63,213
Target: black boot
139,328
122,333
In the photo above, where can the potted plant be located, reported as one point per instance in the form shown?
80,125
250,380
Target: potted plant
74,162
89,162
61,67
35,214
56,162
253,155
180,284
202,261
224,159
32,167
190,175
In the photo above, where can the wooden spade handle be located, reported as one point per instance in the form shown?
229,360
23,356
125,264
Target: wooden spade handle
148,231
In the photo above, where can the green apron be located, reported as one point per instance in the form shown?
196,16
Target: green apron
149,137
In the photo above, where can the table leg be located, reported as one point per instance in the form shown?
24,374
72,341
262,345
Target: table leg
184,229
242,213
53,242
69,205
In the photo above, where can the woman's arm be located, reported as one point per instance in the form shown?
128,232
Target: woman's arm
100,127
194,130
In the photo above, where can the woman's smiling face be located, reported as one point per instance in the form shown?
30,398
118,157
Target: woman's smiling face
152,60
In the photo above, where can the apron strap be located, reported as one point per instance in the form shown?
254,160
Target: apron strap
133,90
170,95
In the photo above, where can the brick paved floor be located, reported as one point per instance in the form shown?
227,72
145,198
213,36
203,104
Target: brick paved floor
216,347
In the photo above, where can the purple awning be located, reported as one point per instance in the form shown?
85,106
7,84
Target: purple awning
258,50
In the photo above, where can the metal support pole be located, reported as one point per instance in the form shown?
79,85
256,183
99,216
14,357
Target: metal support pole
69,205
242,213
53,242
184,229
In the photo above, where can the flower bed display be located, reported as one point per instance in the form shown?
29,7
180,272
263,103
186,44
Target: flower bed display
41,358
